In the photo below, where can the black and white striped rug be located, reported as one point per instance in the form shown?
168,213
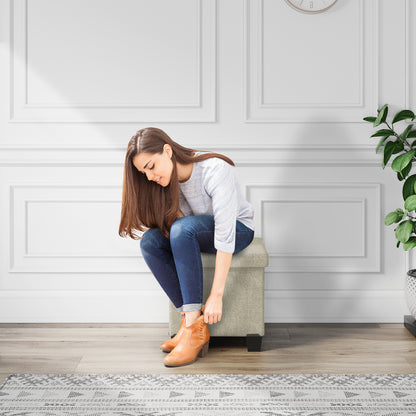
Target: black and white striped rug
208,394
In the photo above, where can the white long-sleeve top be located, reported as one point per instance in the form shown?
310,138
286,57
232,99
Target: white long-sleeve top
213,189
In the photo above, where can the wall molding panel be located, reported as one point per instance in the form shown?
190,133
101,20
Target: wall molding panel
257,109
358,209
41,243
201,108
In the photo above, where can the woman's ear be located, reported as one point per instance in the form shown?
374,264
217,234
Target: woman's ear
168,149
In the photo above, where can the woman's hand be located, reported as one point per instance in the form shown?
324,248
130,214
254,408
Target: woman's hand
213,309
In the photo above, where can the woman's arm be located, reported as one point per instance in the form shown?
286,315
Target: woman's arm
221,186
213,305
222,267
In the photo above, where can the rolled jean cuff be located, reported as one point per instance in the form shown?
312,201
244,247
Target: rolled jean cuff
179,309
192,307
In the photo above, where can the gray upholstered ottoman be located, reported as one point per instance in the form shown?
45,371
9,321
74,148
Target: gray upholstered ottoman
243,299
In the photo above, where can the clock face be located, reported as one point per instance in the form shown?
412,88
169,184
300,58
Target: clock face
311,6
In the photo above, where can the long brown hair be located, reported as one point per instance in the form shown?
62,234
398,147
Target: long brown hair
145,204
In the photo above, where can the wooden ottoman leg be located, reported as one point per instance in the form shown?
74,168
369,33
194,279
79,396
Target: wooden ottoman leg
254,342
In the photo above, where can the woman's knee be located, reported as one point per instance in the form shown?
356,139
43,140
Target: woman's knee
151,239
182,227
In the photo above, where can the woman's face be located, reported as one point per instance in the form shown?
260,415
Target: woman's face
157,167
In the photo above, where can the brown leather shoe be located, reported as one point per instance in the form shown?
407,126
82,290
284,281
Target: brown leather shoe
193,343
170,344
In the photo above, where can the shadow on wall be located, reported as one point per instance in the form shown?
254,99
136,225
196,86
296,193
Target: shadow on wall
321,234
313,231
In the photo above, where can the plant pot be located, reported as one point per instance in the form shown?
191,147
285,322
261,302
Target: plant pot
410,291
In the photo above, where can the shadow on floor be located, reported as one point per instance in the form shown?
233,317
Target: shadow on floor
284,335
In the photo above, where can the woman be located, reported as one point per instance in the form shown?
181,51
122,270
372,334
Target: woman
186,202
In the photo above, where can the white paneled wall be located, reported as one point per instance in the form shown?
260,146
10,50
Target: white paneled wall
113,57
281,92
335,76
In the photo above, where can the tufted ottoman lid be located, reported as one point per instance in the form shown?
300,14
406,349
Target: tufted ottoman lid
254,255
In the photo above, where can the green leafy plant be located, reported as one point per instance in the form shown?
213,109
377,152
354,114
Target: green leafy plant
391,143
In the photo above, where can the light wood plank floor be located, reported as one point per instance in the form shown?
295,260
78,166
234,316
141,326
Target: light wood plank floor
134,348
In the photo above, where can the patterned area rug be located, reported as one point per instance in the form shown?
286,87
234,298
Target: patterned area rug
207,394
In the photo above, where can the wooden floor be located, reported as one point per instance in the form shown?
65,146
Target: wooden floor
134,348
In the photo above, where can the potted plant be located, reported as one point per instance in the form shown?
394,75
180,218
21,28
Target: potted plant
402,148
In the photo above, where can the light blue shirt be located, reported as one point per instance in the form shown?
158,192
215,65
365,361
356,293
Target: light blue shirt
213,189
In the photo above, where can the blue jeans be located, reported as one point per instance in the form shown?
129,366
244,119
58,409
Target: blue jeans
176,262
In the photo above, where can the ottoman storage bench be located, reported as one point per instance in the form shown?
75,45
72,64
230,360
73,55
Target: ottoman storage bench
243,299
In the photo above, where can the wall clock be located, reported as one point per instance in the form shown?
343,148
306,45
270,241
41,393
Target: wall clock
311,6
